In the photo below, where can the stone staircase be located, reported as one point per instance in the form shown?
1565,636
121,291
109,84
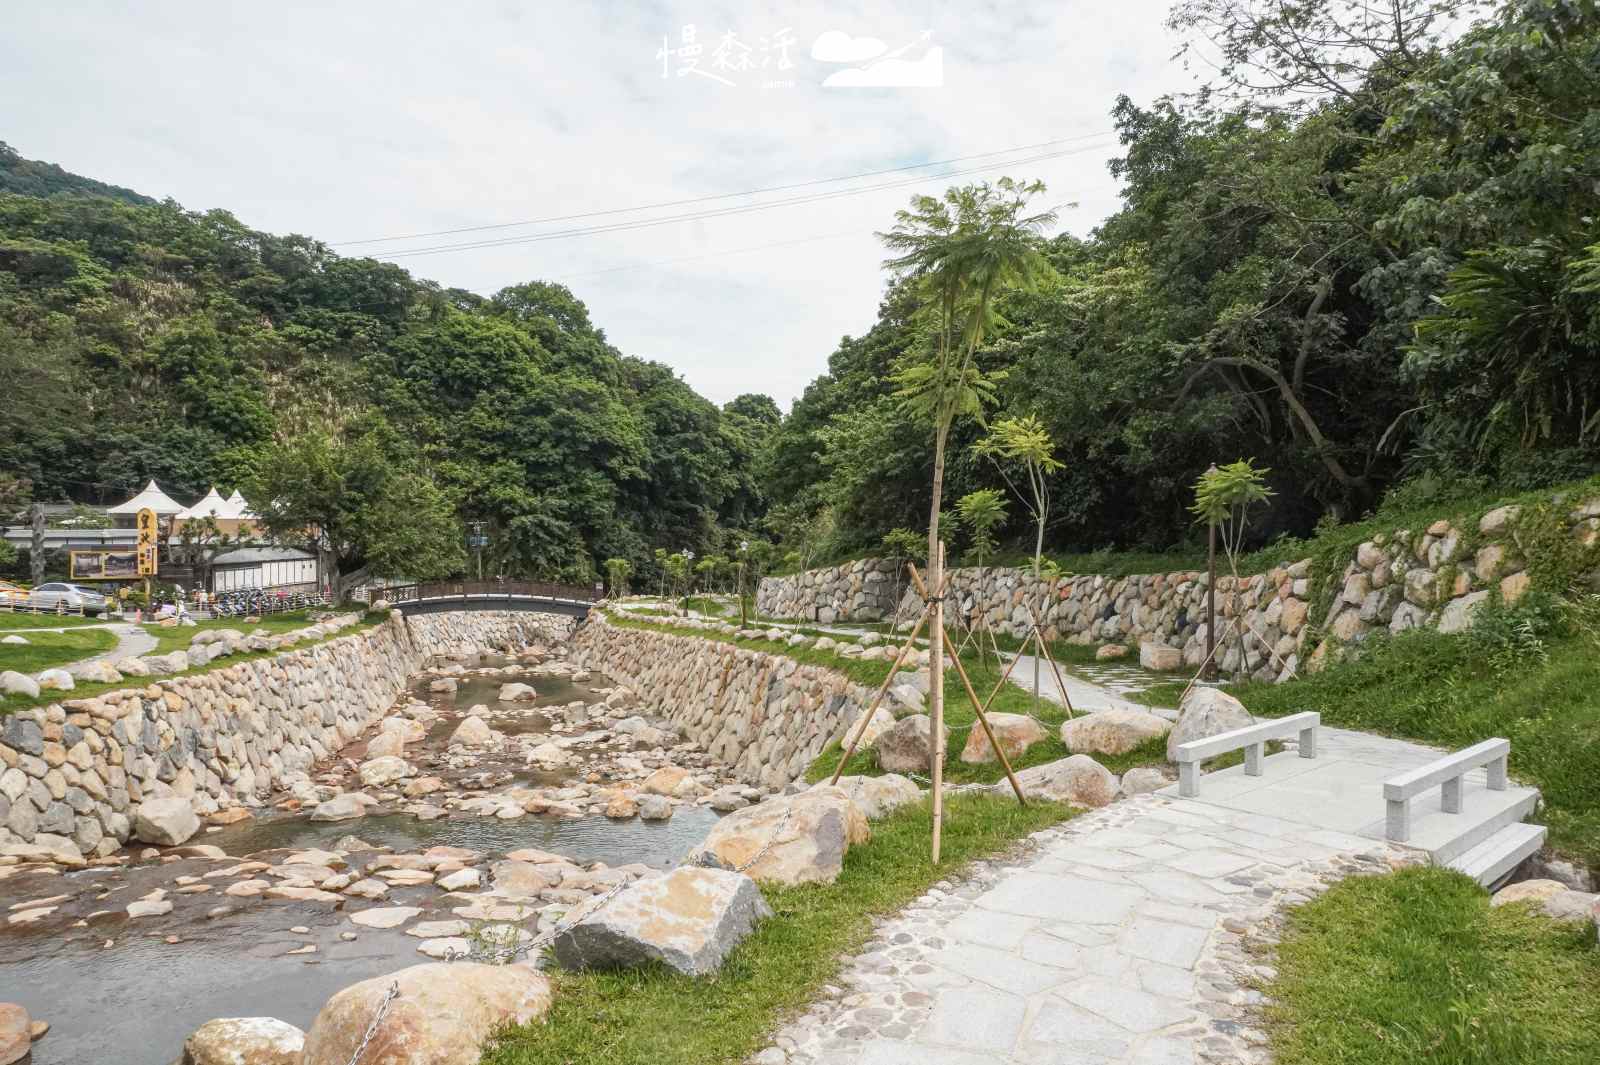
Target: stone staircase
1465,813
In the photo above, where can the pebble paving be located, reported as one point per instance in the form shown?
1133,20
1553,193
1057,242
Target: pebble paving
1138,934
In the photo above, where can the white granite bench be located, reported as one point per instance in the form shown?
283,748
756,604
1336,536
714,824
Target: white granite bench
1447,773
1252,740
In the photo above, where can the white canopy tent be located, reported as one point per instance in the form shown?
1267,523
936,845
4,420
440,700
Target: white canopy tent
212,506
152,497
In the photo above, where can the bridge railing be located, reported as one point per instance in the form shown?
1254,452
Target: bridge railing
420,590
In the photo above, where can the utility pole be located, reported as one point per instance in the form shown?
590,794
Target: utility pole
476,540
1211,594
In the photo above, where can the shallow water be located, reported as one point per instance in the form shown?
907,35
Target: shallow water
134,1003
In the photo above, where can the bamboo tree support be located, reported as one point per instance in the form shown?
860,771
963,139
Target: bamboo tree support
1044,649
977,707
983,719
861,727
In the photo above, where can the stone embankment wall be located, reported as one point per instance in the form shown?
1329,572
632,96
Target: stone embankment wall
1293,619
863,590
71,773
764,715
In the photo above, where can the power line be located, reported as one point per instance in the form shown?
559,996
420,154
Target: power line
647,223
722,195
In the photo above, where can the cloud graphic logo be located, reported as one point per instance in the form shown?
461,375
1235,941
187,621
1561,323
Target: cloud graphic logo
835,46
924,73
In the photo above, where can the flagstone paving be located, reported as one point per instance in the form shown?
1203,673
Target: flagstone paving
1131,935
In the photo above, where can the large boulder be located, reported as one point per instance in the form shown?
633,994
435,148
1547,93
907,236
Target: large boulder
689,920
1554,898
516,692
16,1038
1015,733
473,732
665,781
1205,712
1077,779
445,1012
878,797
386,744
243,1041
791,839
908,747
376,772
1116,731
55,680
97,672
14,683
165,822
880,722
1159,656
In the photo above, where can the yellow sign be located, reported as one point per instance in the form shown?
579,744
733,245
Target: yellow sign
147,542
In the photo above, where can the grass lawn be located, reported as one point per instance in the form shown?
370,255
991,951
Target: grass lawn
11,620
86,690
178,637
1415,968
1445,690
654,1016
47,649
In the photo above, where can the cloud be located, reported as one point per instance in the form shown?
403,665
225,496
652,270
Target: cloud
924,73
835,46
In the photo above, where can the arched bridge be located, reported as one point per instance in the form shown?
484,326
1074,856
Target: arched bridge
434,597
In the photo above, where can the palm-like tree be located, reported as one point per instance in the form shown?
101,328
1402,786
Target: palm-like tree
963,250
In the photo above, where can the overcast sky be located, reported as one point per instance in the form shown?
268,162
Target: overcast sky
359,120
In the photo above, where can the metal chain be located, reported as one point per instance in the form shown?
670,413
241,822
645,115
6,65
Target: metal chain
377,1019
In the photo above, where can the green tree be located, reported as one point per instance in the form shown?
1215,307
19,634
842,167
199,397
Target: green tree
963,251
1223,497
618,570
361,502
1026,443
980,513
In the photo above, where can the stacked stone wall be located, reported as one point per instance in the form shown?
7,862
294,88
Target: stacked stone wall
766,716
71,773
1292,618
863,590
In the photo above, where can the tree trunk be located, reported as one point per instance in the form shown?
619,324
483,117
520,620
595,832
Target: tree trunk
36,546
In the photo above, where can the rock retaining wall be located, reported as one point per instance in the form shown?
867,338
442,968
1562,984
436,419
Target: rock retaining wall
1435,577
764,715
863,590
72,772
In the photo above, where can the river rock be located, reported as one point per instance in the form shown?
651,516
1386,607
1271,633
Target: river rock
1015,733
666,780
799,839
516,692
1077,779
908,746
444,1014
165,822
622,807
443,684
878,797
15,1037
688,920
243,1041
386,745
655,808
1205,712
376,772
1116,731
343,807
473,732
384,916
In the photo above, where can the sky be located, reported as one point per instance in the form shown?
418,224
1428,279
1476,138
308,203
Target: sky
353,121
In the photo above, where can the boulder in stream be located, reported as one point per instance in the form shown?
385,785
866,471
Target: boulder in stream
243,1041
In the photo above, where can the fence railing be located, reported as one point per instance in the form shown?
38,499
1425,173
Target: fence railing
410,593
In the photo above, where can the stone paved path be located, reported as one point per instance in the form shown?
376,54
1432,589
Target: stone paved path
132,641
1123,936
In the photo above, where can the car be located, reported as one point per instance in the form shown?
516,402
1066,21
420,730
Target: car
73,597
12,594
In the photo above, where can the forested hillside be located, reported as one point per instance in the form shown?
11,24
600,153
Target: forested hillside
141,340
1365,254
